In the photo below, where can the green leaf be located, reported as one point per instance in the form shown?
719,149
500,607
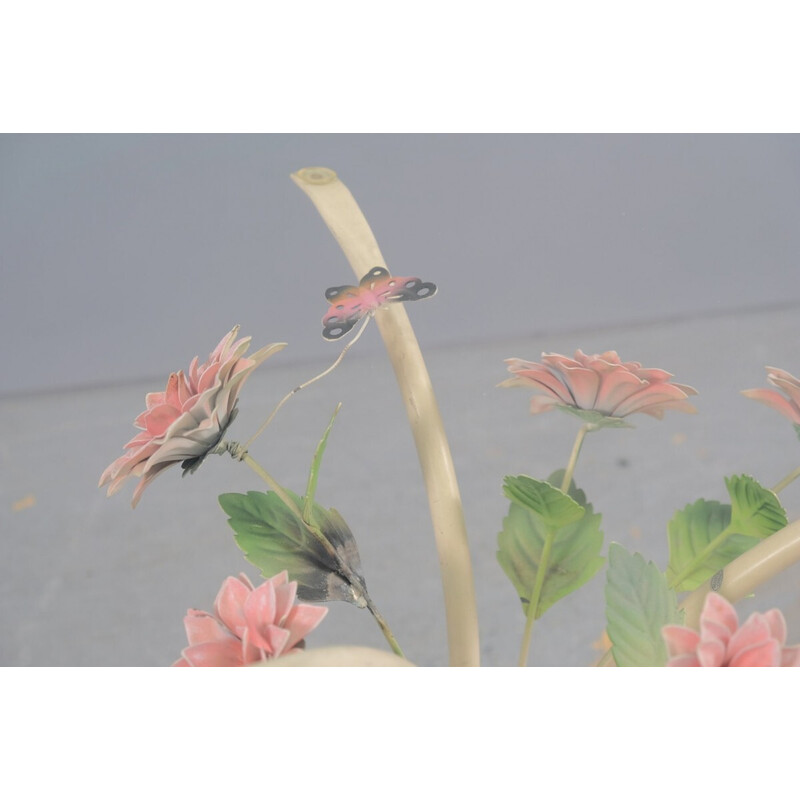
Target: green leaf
690,533
578,495
595,418
274,539
755,511
555,508
638,605
706,536
313,473
797,430
574,557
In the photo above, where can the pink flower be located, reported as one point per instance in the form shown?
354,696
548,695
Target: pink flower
248,625
789,385
189,418
722,643
598,386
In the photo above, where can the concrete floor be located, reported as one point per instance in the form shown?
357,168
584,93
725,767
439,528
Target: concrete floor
85,580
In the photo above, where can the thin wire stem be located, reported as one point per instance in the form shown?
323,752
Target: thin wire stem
544,562
385,629
573,456
786,481
533,603
302,386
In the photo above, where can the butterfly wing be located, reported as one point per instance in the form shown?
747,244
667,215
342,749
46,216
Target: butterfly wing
346,310
411,289
335,292
386,288
350,303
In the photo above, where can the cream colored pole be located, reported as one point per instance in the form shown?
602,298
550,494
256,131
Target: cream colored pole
747,572
344,218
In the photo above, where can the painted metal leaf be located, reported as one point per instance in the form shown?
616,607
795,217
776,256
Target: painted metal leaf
556,508
755,511
638,604
538,508
273,539
705,536
595,418
691,532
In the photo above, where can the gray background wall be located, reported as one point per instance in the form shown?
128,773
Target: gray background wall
119,252
124,256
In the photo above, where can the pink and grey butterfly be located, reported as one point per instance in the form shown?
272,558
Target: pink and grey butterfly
350,303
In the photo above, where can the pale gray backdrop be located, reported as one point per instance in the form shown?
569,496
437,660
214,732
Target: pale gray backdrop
121,251
124,256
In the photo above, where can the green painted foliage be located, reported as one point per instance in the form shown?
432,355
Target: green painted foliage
706,535
273,539
554,507
538,508
690,532
595,418
638,605
755,511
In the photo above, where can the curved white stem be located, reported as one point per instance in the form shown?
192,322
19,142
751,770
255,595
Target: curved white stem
344,218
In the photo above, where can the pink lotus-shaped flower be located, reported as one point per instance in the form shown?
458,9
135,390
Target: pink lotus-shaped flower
600,388
789,406
189,418
248,625
723,643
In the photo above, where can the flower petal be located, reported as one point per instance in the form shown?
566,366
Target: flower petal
583,385
718,611
711,629
284,601
776,624
230,602
776,401
753,632
189,417
259,609
601,383
786,382
302,620
157,420
203,627
616,387
711,653
227,653
653,395
790,657
271,638
680,640
540,404
537,376
761,654
249,624
689,660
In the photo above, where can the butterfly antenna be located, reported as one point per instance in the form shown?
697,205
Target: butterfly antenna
296,389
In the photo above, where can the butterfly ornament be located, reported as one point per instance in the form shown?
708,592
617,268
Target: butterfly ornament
349,304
